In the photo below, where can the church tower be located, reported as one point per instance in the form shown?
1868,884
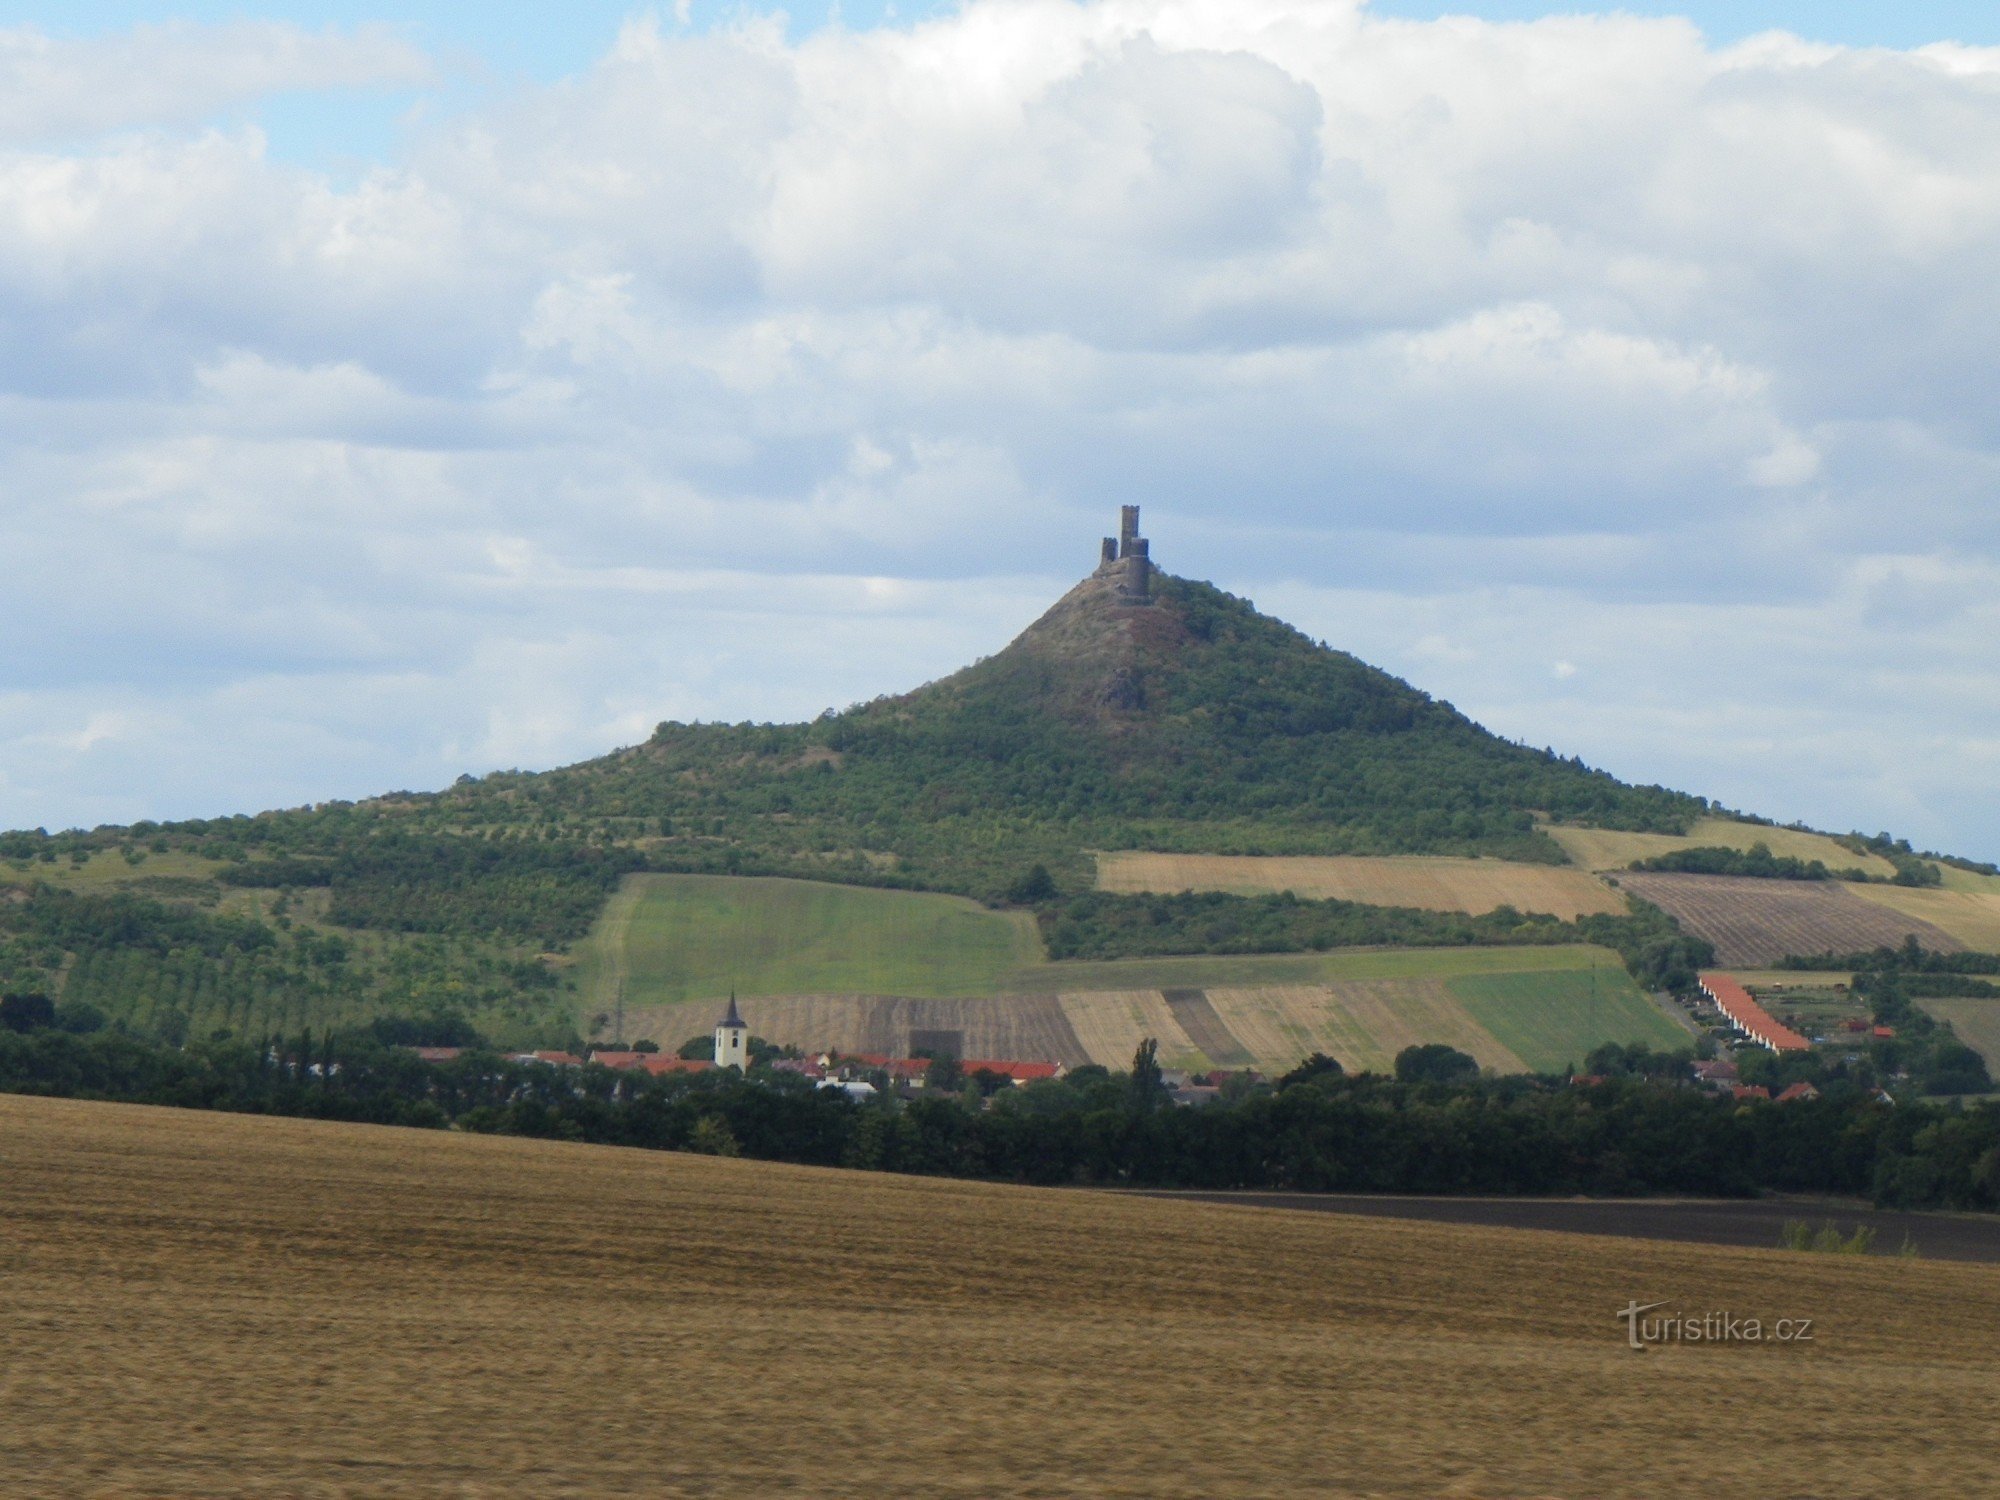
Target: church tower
732,1040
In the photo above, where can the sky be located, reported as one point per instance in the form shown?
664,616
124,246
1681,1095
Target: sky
384,398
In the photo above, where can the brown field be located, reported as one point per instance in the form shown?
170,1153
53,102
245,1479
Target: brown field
1756,922
1605,849
1973,917
1468,885
205,1305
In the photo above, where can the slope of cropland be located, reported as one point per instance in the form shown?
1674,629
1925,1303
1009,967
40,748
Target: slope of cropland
1753,922
1515,1010
1432,882
233,1307
665,939
1609,849
1971,916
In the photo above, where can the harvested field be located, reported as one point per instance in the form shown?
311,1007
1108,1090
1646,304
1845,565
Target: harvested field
1755,1225
234,1307
1756,922
1468,885
1606,849
1973,917
1977,1023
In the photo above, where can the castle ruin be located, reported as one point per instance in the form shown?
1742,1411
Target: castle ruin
1127,561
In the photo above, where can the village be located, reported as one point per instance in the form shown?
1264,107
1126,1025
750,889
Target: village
1722,1007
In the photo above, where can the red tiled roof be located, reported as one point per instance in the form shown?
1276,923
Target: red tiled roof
1750,1091
1749,1017
1798,1091
1020,1072
1885,1032
658,1063
611,1058
437,1054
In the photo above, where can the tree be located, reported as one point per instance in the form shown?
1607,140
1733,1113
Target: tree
944,1074
29,1012
713,1137
1434,1062
699,1048
1319,1065
1148,1084
1036,886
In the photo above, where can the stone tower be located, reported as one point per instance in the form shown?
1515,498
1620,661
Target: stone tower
732,1040
1126,558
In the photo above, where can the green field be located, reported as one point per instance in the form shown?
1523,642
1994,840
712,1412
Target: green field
1551,1019
664,939
1976,1023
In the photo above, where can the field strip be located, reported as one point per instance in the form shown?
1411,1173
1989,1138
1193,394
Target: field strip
1754,923
1205,1028
1361,1024
1432,883
1973,917
1610,849
1111,1023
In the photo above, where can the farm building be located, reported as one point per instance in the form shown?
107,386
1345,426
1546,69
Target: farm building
1747,1016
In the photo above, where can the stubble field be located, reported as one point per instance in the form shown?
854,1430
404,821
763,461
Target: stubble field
1435,884
231,1307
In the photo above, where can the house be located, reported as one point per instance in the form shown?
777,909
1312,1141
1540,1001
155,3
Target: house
1798,1091
1741,1010
1744,1094
658,1064
553,1059
437,1054
1021,1074
1194,1093
1884,1033
610,1057
1716,1071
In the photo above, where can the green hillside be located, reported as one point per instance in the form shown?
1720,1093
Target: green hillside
1188,723
669,938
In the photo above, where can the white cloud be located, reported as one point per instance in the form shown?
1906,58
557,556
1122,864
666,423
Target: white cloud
178,73
1634,394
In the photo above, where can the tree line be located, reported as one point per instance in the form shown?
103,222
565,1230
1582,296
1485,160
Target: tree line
1432,1129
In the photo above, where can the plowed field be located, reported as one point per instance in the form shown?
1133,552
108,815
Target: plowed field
1468,885
1754,922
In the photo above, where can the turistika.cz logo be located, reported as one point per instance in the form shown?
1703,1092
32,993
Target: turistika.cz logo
1707,1328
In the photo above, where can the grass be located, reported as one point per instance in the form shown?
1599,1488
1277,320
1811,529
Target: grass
288,1307
1551,1020
1605,849
672,938
1435,884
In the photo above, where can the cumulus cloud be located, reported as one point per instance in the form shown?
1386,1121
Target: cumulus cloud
1634,394
180,73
